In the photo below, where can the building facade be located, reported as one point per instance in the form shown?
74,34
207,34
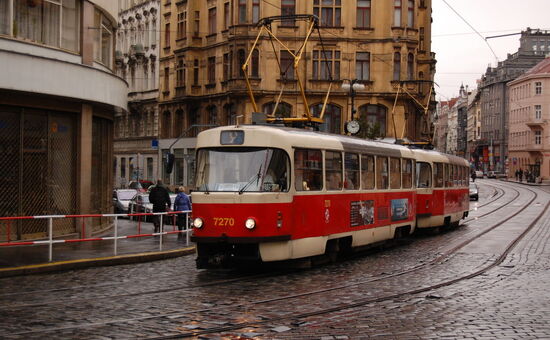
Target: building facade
494,98
529,134
58,99
474,128
137,61
384,45
462,123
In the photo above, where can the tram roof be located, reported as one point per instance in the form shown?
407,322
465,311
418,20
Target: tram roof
296,137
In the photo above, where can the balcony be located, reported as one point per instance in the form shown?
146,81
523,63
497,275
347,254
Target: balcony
533,147
534,122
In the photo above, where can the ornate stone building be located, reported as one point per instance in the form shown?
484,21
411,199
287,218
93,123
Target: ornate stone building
385,45
137,61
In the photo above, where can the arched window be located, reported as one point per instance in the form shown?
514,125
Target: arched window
396,66
255,63
410,66
332,117
284,110
375,117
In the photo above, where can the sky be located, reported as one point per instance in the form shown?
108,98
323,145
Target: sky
462,55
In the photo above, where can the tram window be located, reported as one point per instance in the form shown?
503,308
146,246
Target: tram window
351,166
333,166
367,172
455,175
423,175
395,173
447,175
308,170
381,172
407,173
438,175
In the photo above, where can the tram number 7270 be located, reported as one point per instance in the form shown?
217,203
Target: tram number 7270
224,221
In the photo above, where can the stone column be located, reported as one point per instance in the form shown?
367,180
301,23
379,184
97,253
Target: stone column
84,166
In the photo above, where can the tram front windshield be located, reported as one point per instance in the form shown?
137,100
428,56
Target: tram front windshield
242,170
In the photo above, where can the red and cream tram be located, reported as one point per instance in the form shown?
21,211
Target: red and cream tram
268,193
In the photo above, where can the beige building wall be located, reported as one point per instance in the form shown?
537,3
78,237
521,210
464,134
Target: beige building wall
382,39
529,116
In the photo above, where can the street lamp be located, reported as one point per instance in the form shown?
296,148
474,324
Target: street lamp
352,86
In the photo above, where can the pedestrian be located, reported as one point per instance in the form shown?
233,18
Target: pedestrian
160,198
182,203
520,174
473,176
517,175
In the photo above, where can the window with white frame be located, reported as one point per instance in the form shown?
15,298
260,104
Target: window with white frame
538,87
50,22
538,137
538,111
103,42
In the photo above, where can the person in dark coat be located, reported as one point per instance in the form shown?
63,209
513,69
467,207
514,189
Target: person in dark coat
473,176
160,198
182,203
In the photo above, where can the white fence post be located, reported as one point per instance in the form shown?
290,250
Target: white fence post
187,228
116,234
50,236
161,231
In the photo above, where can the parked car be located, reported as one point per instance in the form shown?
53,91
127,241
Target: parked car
121,200
479,174
474,195
141,185
491,174
140,204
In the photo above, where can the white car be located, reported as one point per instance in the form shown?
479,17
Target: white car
479,174
121,200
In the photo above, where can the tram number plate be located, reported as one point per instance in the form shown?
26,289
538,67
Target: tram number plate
224,221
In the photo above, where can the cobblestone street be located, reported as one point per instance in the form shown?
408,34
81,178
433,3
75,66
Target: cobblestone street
382,295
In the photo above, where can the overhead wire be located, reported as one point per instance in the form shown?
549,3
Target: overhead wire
473,28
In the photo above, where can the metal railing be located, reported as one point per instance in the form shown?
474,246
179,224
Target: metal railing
50,241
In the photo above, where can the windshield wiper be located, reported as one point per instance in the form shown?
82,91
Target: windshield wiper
255,177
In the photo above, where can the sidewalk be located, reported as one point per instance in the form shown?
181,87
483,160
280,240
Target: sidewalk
30,259
543,184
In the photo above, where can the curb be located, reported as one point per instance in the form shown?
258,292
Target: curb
94,262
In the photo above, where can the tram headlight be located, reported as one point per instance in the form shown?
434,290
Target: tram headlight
250,224
198,223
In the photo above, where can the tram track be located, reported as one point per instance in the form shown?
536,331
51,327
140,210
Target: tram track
367,301
437,260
